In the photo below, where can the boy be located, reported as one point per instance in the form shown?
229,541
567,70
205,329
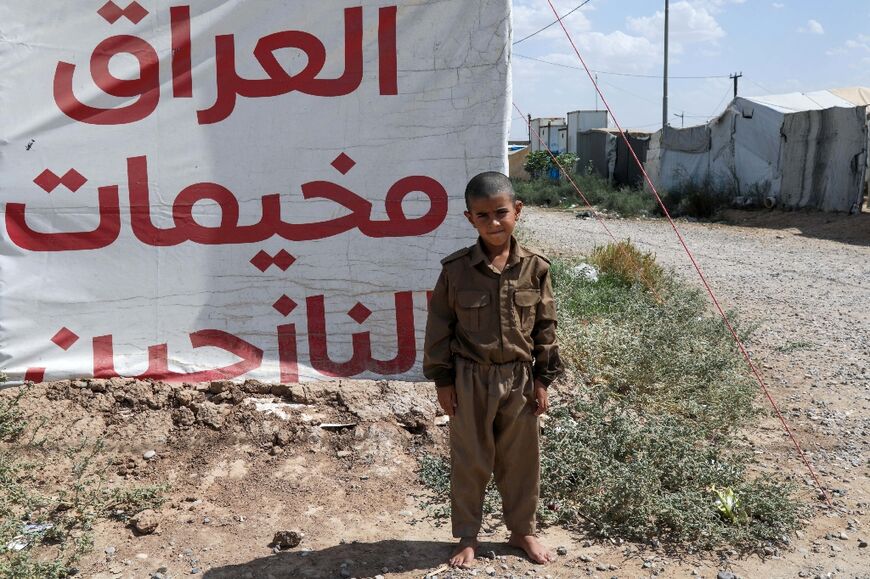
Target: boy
491,351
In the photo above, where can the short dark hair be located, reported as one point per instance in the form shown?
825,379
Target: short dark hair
488,184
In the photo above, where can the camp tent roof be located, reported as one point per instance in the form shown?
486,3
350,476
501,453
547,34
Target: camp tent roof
615,131
859,95
817,100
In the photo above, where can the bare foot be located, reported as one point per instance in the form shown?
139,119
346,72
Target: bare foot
463,555
533,548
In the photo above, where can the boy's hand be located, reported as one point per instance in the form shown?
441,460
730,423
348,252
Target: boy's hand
447,399
542,398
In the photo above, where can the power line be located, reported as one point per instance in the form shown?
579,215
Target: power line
573,10
628,92
722,100
629,74
765,89
658,123
639,97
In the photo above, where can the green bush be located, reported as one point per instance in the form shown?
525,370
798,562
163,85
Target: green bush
539,163
565,163
701,199
658,352
544,192
641,475
598,191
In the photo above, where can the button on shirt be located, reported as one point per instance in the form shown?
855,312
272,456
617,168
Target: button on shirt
492,317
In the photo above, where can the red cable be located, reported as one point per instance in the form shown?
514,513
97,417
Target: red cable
692,259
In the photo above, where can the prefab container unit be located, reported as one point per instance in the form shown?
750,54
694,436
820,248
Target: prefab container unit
547,128
604,152
580,121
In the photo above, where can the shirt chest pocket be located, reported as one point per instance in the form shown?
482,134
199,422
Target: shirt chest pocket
474,311
525,307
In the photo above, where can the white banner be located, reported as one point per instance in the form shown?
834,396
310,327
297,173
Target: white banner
237,189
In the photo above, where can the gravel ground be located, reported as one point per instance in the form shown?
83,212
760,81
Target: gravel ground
804,280
810,296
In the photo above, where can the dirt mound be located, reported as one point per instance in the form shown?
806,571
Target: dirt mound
134,412
242,461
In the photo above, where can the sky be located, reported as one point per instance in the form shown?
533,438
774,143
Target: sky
780,47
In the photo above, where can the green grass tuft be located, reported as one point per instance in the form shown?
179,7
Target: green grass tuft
624,263
62,518
625,201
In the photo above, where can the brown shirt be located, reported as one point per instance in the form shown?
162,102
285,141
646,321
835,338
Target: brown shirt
492,317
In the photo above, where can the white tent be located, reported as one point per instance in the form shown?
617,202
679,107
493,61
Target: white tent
797,150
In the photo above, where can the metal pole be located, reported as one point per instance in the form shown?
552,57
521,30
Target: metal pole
531,148
735,76
549,133
596,92
665,86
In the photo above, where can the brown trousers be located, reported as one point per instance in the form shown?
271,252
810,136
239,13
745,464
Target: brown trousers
494,431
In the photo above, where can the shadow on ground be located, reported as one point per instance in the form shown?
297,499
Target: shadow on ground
852,229
363,560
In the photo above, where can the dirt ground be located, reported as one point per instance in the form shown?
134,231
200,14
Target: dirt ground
337,460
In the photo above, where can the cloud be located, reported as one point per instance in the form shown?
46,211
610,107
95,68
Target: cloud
615,51
860,44
529,17
812,27
778,5
815,27
716,4
857,54
620,51
689,23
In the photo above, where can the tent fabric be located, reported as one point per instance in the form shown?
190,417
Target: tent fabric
797,101
689,140
159,234
858,95
801,149
823,160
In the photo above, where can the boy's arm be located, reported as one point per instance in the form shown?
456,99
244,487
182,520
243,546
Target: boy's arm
437,358
548,366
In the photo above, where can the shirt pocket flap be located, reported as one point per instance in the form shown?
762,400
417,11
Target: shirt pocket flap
472,299
527,298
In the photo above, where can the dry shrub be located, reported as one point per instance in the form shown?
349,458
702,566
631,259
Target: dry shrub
626,263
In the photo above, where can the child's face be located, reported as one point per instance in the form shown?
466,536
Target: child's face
494,218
